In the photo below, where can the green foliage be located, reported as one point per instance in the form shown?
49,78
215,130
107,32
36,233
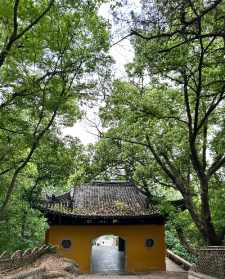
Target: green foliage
166,123
52,55
22,228
174,245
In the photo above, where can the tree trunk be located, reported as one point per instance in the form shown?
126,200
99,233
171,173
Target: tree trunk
210,234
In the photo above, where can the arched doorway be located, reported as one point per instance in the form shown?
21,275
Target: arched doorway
108,253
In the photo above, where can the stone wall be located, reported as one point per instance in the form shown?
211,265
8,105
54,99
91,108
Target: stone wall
35,273
211,261
21,258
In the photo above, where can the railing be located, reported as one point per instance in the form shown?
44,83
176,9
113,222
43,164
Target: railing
21,258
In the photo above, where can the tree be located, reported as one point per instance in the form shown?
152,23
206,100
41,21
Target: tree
177,113
50,53
56,165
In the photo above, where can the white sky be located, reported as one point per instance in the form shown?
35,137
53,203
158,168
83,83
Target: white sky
122,54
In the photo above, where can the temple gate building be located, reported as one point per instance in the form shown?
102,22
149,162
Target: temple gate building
121,209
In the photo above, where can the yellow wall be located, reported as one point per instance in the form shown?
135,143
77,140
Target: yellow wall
138,257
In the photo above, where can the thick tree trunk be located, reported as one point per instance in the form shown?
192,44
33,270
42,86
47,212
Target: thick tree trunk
210,234
203,219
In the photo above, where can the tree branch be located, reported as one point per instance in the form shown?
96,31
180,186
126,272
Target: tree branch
163,166
11,131
212,107
216,165
199,85
203,13
15,36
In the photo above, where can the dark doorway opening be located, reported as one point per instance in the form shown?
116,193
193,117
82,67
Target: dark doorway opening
108,254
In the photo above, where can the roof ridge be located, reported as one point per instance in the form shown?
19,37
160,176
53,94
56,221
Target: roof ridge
108,183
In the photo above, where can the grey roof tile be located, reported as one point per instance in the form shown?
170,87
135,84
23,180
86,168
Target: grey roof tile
103,199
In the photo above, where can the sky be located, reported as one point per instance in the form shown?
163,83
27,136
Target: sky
122,53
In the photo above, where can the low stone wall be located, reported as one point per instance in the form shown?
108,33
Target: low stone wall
211,261
21,258
35,273
50,265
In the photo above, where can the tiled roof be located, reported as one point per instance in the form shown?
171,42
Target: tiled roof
106,199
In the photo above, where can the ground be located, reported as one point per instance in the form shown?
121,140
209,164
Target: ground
103,263
154,275
61,268
106,259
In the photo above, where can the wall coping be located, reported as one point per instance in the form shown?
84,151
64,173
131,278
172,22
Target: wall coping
177,259
213,248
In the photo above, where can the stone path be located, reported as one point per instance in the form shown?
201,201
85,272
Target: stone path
107,259
172,267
